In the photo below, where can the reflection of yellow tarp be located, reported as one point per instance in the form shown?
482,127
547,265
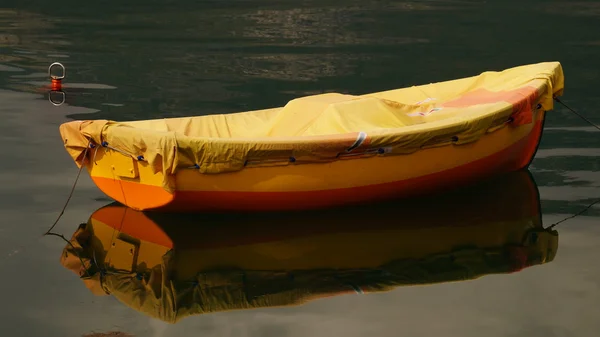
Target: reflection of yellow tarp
322,126
161,296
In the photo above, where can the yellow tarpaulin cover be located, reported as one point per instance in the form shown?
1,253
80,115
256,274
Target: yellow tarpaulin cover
317,128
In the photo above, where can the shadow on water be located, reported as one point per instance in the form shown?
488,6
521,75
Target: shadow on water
170,266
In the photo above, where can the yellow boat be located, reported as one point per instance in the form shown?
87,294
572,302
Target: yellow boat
323,150
170,266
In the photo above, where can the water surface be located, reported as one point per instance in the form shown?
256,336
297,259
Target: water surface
154,59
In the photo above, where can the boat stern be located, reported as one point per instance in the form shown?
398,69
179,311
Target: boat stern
74,140
120,176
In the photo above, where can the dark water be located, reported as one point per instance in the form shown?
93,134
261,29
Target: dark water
150,59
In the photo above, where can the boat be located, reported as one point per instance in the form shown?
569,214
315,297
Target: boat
324,150
175,265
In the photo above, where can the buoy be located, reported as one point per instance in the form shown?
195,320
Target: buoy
56,84
56,80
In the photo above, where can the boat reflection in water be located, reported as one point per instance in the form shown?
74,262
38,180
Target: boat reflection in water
171,266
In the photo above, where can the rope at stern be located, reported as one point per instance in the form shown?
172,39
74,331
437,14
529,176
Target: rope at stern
91,145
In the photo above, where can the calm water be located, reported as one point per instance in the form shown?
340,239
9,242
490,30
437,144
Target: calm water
152,59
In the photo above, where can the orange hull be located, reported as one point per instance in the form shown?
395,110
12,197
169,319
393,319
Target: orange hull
311,186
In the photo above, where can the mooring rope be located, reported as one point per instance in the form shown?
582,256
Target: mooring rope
574,215
576,113
595,201
49,231
72,190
